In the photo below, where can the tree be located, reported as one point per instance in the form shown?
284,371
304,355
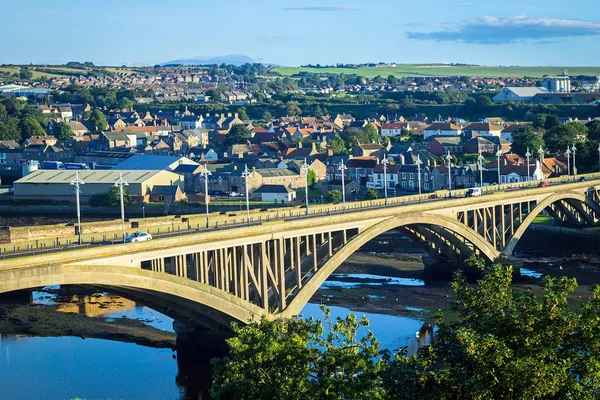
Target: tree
215,94
292,108
267,117
97,122
125,104
300,359
551,121
558,138
112,198
30,126
242,114
334,196
539,120
238,134
371,194
337,145
525,138
25,74
506,345
63,131
9,129
312,178
482,103
371,133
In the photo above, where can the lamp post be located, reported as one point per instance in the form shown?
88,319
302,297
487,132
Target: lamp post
449,159
245,175
527,155
419,162
342,168
568,164
498,155
541,153
574,150
205,174
385,163
77,182
480,164
598,157
120,183
305,171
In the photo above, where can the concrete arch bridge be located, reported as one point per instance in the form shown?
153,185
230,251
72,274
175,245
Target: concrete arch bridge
274,268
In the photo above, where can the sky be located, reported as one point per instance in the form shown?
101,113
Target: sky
292,33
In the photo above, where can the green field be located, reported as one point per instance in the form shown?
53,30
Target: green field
414,70
36,74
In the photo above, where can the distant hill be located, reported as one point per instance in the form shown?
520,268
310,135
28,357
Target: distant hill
232,59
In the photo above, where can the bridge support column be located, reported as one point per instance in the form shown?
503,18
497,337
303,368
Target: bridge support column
329,244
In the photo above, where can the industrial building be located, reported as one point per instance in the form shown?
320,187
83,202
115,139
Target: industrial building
56,184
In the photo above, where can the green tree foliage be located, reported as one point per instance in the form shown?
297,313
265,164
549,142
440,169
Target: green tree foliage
372,135
292,108
558,138
334,196
539,120
312,178
551,121
371,194
125,104
337,145
238,134
506,345
30,126
63,131
267,117
243,114
301,359
483,103
97,122
9,129
112,198
526,138
25,74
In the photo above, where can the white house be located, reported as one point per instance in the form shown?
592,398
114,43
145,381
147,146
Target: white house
275,193
376,179
211,155
517,94
441,129
394,129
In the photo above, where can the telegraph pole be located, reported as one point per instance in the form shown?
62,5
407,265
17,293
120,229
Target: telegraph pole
120,183
77,183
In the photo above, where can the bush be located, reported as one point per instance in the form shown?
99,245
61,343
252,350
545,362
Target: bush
334,196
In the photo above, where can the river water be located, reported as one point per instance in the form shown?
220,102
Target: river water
70,367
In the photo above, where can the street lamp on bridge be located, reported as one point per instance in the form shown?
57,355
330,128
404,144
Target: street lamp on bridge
77,182
245,175
568,164
541,153
385,163
574,150
419,162
205,174
498,155
342,168
527,155
449,159
305,171
480,165
120,183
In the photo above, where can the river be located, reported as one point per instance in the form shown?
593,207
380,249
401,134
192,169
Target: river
70,367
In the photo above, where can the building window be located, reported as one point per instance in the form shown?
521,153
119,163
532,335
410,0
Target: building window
404,175
161,198
403,184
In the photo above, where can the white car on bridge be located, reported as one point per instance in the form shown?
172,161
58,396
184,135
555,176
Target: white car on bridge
138,237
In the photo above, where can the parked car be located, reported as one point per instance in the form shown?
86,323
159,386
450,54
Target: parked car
235,194
583,179
543,184
138,237
473,192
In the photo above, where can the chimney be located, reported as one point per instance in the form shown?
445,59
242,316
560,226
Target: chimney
236,115
329,153
299,145
314,147
401,159
505,161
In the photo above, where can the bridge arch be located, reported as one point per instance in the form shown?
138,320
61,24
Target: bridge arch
135,279
311,287
541,206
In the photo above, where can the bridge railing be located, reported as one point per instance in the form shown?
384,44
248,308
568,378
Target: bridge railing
314,211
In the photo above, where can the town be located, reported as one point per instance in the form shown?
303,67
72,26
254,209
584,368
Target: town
276,159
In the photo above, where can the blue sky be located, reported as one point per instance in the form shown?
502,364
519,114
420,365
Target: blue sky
286,32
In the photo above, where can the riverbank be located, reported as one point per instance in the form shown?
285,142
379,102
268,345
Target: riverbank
45,320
